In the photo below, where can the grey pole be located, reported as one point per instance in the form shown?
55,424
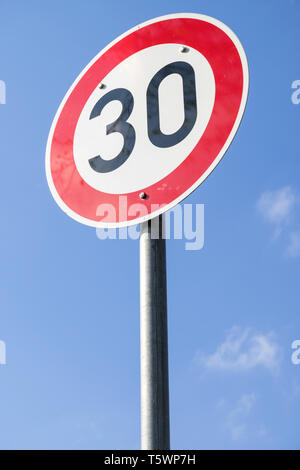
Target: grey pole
155,427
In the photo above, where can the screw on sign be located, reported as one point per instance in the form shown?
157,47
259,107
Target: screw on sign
149,118
146,122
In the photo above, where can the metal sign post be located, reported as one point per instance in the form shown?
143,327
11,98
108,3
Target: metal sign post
155,428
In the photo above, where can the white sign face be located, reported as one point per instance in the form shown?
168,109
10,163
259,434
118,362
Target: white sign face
147,163
149,118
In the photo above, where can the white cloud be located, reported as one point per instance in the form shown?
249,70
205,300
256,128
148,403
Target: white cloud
276,206
243,350
293,248
236,420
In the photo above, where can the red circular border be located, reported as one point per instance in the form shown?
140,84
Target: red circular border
224,59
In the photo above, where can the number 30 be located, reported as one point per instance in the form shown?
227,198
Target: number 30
155,134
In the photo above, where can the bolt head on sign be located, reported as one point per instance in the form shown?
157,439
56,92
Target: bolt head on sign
147,120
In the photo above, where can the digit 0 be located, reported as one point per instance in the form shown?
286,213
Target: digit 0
187,73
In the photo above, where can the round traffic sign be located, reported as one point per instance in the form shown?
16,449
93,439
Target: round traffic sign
147,120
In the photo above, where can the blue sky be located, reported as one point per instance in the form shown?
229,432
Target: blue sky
70,302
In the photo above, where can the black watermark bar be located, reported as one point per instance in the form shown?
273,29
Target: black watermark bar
140,458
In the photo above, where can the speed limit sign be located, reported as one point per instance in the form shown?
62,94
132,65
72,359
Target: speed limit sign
147,120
